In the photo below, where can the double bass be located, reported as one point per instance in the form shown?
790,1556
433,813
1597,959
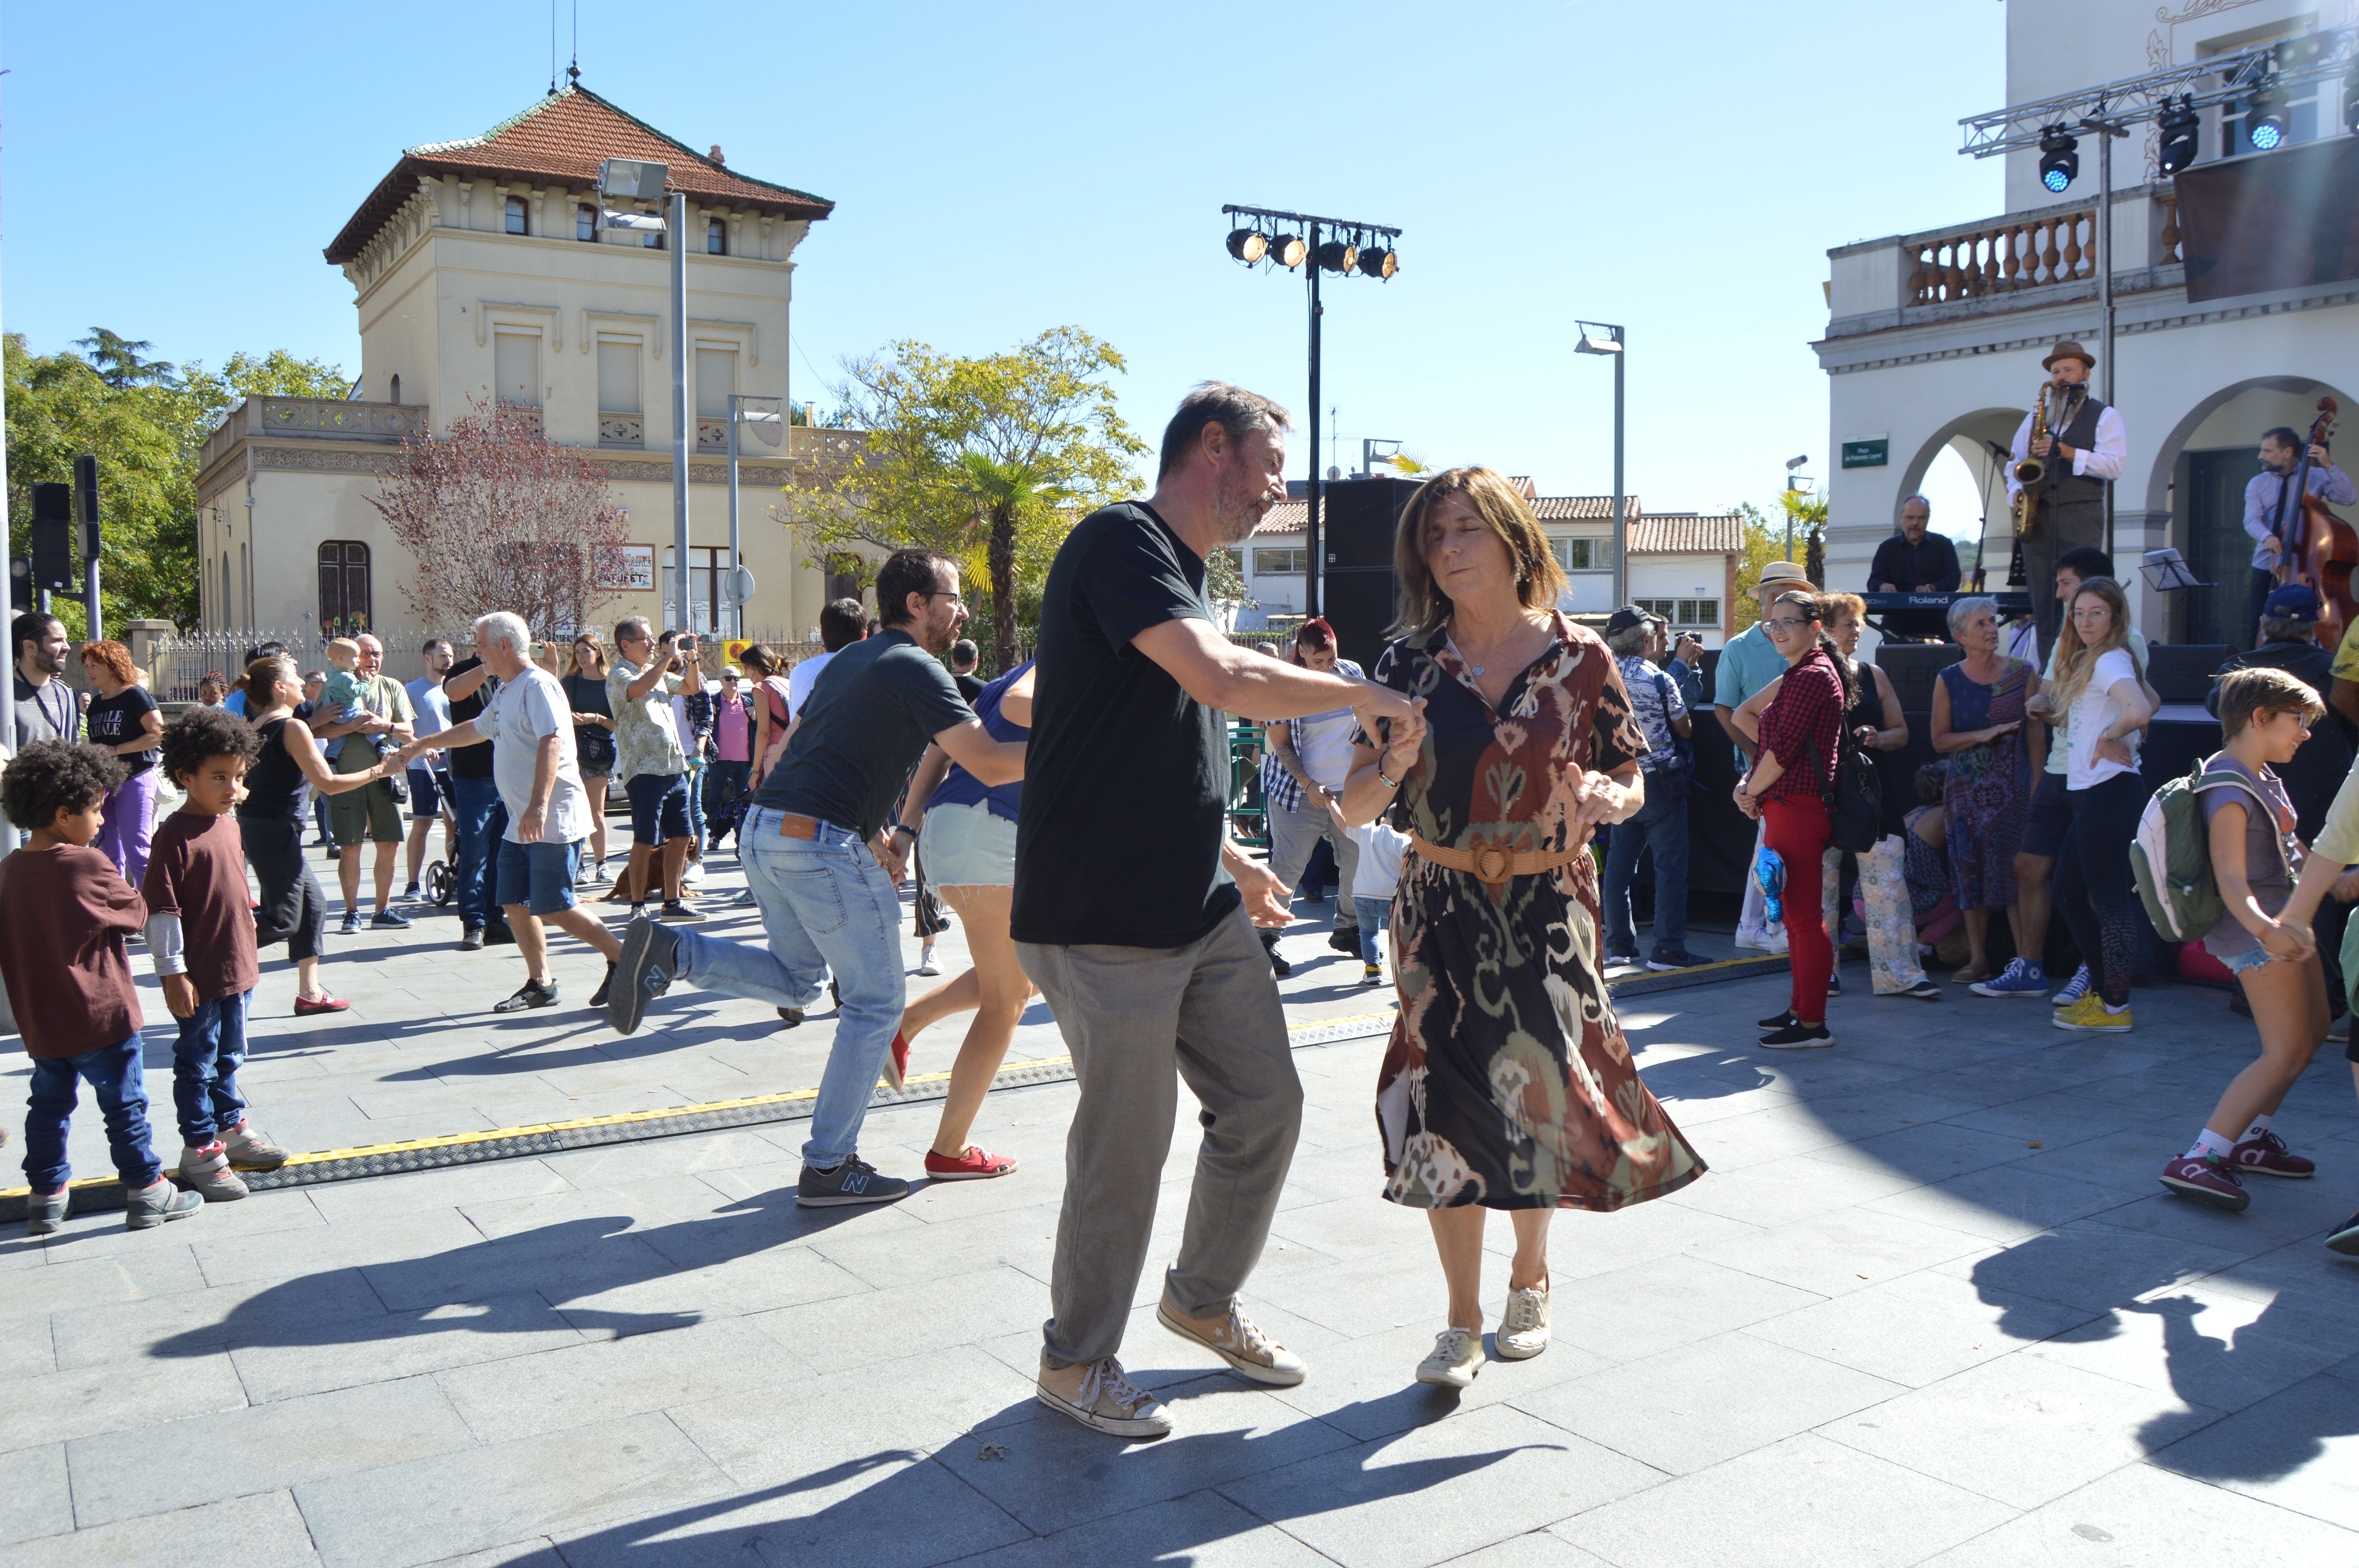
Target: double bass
2319,550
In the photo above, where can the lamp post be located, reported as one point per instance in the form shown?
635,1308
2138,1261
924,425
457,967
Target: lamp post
1597,338
1287,240
1792,483
769,424
638,181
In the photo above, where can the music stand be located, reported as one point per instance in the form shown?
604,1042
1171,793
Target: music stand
2166,571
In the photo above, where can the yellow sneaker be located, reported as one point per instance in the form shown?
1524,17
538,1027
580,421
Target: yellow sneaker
2089,1014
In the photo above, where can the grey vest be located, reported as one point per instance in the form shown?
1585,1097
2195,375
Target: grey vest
2061,486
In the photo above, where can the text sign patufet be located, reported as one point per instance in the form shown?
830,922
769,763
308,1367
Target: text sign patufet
1872,452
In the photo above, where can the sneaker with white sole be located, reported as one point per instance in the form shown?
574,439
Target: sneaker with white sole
2019,978
1244,1347
1107,1402
2089,1015
2074,988
853,1182
206,1172
1456,1356
1524,1327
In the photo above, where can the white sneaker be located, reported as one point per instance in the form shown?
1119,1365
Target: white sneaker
1243,1345
1777,941
1751,936
926,964
1108,1402
1524,1327
694,873
1457,1356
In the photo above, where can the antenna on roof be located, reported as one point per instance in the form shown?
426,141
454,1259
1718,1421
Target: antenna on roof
573,71
552,48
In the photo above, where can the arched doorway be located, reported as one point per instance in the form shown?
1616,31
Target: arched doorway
1980,439
2198,476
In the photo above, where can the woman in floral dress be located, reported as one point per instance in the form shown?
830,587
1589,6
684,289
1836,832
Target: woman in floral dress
1508,1083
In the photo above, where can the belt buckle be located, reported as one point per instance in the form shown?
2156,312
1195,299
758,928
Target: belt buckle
1493,864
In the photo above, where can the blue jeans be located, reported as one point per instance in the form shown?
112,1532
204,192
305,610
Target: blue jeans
112,1073
696,804
1376,914
482,821
827,904
205,1060
1662,824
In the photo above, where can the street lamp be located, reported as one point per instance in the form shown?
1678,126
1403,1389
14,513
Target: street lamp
767,416
1330,244
633,180
1597,338
1793,483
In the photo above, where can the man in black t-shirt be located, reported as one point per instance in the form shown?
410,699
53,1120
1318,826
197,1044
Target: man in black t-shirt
475,806
823,867
1134,911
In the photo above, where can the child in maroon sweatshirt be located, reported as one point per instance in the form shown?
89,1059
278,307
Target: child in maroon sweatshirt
201,934
70,981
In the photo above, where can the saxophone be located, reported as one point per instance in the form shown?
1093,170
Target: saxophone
2031,469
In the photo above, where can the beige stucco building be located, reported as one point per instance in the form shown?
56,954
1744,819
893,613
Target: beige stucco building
480,272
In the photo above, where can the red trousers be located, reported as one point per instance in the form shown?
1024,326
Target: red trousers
1796,828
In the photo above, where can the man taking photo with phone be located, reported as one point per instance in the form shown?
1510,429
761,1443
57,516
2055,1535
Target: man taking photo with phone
648,755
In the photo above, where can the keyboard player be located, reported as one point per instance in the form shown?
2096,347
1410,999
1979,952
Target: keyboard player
1916,560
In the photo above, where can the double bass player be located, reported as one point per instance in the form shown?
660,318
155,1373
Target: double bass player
2084,449
2268,510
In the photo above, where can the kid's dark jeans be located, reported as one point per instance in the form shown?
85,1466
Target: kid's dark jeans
205,1060
112,1073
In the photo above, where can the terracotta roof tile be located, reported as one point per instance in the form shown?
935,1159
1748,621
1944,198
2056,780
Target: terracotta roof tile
1687,534
1584,508
559,141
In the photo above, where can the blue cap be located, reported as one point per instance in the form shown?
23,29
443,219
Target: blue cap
2294,601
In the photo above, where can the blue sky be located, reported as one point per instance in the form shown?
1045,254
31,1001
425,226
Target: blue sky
172,172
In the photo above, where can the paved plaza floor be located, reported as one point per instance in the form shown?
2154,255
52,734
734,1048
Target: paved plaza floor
1930,1305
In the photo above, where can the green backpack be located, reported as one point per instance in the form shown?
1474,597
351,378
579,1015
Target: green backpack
2170,858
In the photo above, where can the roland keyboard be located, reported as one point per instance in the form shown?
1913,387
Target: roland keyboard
2011,601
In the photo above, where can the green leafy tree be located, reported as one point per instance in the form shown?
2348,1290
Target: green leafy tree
989,460
1763,543
118,362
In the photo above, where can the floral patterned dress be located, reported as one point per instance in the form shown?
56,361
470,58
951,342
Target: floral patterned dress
1508,1082
1988,792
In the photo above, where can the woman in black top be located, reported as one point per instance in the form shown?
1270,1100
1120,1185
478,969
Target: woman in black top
124,720
271,819
593,736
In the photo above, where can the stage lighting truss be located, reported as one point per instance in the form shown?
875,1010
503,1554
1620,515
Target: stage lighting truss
2265,120
2059,159
1265,237
2180,127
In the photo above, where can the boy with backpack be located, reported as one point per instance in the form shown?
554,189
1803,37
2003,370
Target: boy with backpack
2249,833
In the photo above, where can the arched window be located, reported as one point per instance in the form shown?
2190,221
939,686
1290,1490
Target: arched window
343,587
716,237
585,222
396,389
516,215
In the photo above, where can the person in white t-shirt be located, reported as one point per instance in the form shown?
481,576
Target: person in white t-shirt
2099,690
540,779
1372,885
1305,763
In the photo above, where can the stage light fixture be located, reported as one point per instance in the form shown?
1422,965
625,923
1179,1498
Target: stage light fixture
1288,250
2179,126
1337,256
1379,263
1248,246
2265,125
2059,159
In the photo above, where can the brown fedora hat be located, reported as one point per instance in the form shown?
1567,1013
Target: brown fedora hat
2068,349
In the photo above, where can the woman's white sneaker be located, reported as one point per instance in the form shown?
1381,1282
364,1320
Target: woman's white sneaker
1524,1327
1457,1356
1103,1399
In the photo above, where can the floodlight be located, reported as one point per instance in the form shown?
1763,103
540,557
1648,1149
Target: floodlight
1793,464
1248,246
633,223
2265,124
632,179
1379,263
1337,256
2060,161
2179,126
1288,250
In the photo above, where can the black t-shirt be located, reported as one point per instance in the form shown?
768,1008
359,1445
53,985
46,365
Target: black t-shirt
471,762
863,727
111,720
969,688
1898,561
1118,840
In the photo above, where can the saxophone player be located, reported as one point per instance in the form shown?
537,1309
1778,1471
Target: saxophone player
2083,450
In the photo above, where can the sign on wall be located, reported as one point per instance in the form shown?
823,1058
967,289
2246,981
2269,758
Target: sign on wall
1867,452
625,567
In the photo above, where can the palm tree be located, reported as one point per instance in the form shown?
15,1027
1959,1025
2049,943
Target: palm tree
1005,492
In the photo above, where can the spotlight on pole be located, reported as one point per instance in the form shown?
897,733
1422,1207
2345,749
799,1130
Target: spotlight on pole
2059,158
1248,246
1288,250
2264,123
1379,263
2179,126
1337,256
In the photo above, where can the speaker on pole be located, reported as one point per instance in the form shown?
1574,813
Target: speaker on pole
53,538
1359,592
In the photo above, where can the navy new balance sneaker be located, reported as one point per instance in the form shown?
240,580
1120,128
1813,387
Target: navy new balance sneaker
854,1181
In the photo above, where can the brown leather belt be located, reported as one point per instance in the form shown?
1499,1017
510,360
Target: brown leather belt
1493,863
797,826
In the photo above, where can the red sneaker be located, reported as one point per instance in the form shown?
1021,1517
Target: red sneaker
974,1165
2267,1156
896,1068
2207,1181
305,1007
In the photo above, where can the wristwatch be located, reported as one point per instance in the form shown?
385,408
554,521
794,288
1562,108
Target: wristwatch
904,827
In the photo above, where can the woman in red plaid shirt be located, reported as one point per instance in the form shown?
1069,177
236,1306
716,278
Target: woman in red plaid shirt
1786,790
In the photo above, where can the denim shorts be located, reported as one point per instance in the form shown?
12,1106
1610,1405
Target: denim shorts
539,876
658,807
427,788
966,846
2251,958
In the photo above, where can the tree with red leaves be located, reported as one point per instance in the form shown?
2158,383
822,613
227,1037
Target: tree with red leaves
497,517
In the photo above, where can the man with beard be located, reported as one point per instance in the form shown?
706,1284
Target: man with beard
45,708
823,873
1135,912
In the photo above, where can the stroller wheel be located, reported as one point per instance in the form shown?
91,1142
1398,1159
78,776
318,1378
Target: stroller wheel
439,883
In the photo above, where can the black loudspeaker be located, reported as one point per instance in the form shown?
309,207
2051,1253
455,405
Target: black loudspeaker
86,505
1913,667
1359,603
1358,521
53,537
2181,672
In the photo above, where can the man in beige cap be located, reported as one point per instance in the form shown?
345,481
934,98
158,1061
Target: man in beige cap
1749,662
2082,451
